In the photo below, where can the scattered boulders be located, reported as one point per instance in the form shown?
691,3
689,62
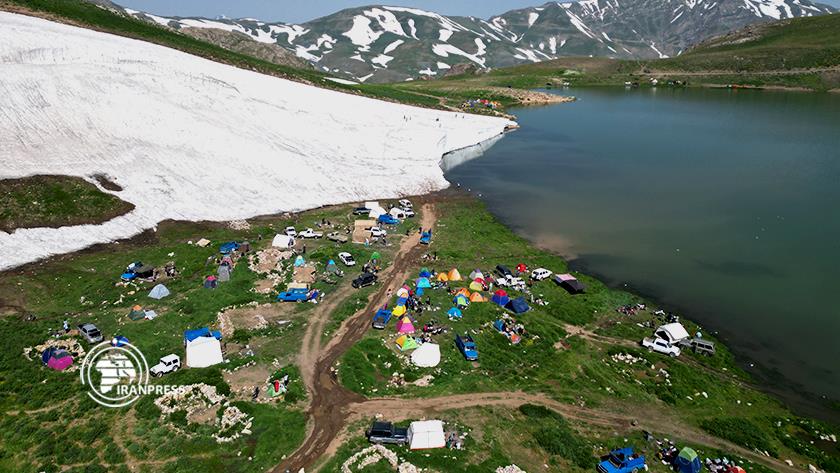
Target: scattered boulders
509,469
239,225
375,454
200,398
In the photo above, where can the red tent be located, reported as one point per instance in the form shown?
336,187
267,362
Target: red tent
521,267
501,293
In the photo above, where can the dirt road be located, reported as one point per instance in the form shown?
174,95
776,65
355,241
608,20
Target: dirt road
328,409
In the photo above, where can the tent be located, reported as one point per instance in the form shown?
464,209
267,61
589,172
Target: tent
461,300
224,273
228,247
736,469
406,343
159,292
331,267
398,311
202,243
476,286
442,277
56,358
424,273
402,292
405,325
276,388
402,300
476,274
521,268
569,283
500,297
454,313
423,283
463,292
190,335
136,313
203,347
477,297
119,341
283,241
300,261
426,434
517,306
427,356
454,275
375,256
687,461
210,282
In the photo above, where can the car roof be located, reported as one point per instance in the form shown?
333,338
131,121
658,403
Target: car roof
89,326
170,357
344,253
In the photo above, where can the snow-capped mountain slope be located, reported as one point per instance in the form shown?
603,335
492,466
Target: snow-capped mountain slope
384,43
188,138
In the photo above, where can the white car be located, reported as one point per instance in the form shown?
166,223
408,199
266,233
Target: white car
406,204
407,212
378,232
660,345
347,258
167,364
540,273
310,233
290,231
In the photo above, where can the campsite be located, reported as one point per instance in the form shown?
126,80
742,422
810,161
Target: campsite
559,380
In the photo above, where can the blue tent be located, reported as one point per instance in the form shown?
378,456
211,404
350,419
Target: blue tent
454,313
425,274
419,291
299,261
228,247
687,461
426,237
423,283
518,305
190,335
119,341
500,297
402,300
461,300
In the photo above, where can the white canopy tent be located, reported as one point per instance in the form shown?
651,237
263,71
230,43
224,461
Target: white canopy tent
673,332
426,434
427,356
283,241
203,352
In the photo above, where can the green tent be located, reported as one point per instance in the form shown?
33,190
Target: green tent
375,256
136,313
687,461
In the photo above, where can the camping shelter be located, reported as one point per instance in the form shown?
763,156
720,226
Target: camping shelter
398,311
425,273
404,342
210,282
476,274
463,292
477,297
426,434
461,300
159,292
673,332
136,313
331,268
119,341
56,358
283,241
569,283
687,461
521,268
228,247
402,292
442,277
423,283
454,275
405,325
500,297
224,273
300,261
427,356
476,286
518,305
454,313
203,347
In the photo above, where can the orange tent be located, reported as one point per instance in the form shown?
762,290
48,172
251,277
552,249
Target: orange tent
443,277
464,291
454,275
477,297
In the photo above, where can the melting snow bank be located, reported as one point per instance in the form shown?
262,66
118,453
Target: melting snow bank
191,139
458,157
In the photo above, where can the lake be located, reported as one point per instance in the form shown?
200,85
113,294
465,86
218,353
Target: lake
723,205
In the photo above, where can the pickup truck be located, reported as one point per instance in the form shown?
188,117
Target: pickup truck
381,318
297,294
167,364
337,237
386,432
310,233
388,220
660,345
622,460
91,333
365,279
466,346
426,238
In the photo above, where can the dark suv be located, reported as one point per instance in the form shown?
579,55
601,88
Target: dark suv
366,279
503,271
385,432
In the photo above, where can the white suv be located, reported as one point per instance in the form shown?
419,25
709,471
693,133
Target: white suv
167,364
540,273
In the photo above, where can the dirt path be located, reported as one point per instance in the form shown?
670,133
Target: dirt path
328,409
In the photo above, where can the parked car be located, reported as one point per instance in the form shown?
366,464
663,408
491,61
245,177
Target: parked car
378,232
290,231
346,258
337,237
540,273
622,460
698,345
365,279
466,346
167,364
310,233
90,333
381,318
405,203
407,212
298,294
361,211
503,271
660,345
386,432
388,219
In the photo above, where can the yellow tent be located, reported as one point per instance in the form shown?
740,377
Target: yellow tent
443,277
398,311
476,286
477,297
454,275
464,291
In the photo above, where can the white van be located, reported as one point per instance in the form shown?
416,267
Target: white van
540,273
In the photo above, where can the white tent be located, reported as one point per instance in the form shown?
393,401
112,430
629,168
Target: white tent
372,204
426,434
203,352
159,292
376,212
673,332
283,241
427,356
397,212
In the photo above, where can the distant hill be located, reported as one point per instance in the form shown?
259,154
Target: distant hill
391,44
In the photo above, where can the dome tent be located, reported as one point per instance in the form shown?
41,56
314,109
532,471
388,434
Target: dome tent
500,297
159,292
404,342
454,313
427,356
454,275
442,277
405,325
687,461
56,358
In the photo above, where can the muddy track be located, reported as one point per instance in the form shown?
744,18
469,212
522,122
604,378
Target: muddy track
329,407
